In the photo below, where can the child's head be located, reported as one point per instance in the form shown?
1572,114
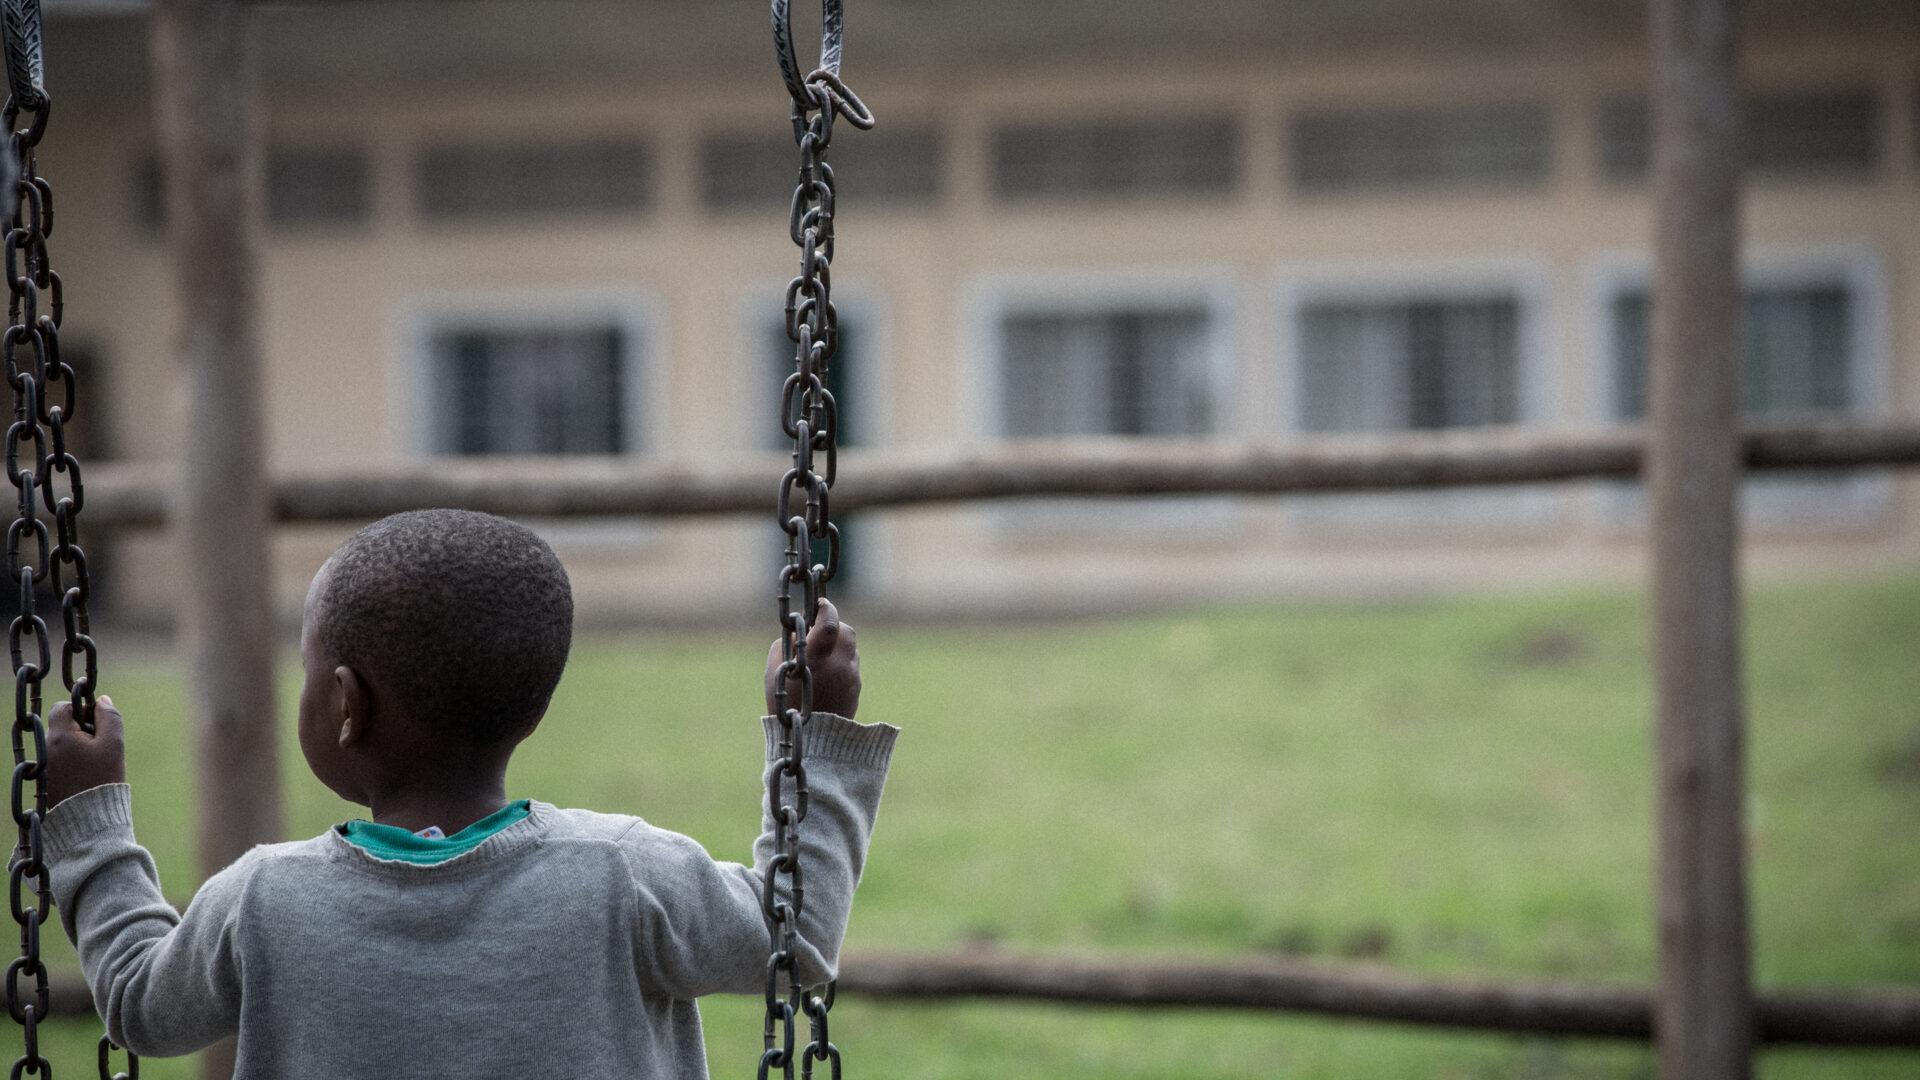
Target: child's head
454,625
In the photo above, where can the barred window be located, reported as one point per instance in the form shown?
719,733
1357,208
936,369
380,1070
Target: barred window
306,187
1626,141
1426,358
1785,135
884,165
1419,364
533,390
510,179
1115,372
147,195
1192,155
1835,132
313,186
1503,145
1801,356
1797,344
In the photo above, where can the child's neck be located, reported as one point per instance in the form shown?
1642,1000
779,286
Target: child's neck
417,809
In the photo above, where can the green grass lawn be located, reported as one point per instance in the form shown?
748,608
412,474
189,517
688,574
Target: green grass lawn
1454,787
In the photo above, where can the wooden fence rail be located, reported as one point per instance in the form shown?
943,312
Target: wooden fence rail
1550,1008
1353,991
126,495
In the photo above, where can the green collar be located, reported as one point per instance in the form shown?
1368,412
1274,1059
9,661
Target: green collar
396,844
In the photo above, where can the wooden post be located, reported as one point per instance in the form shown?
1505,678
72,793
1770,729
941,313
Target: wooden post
209,159
1704,1021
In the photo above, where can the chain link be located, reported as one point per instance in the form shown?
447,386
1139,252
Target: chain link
809,417
44,403
107,1048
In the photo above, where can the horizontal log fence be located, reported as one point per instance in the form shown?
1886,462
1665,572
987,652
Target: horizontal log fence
1853,1018
130,495
125,495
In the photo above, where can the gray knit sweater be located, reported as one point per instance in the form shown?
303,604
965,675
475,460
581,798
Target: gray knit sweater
571,944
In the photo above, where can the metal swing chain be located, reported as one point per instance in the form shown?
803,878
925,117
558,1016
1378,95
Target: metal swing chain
37,377
808,416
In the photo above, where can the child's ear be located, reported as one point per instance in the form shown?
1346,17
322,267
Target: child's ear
356,711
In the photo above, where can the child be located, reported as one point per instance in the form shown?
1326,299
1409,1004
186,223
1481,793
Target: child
457,933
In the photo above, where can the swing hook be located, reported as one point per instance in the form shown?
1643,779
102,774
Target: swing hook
830,23
26,70
821,88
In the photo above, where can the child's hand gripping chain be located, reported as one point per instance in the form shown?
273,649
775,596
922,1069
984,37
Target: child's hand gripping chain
77,761
833,661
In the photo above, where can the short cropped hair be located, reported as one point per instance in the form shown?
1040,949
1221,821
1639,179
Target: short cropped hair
466,618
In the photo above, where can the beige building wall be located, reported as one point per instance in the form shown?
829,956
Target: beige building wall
342,311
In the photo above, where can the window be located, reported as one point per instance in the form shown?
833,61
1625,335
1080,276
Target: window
530,390
510,179
1195,155
1113,372
1425,363
1835,132
1785,135
1110,355
1439,350
147,195
758,170
312,186
1626,139
1806,353
306,187
1496,145
1798,351
749,171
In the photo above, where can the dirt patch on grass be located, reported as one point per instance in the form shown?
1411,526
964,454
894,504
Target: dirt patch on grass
1549,646
1901,765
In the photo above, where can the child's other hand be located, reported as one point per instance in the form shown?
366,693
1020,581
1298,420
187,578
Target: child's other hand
76,760
834,661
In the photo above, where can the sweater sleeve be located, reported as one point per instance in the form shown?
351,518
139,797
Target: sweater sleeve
700,926
164,983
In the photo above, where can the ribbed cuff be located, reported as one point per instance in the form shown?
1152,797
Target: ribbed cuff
831,737
97,809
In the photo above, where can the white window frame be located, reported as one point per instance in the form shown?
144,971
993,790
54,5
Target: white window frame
981,362
1084,292
423,316
1520,510
1771,504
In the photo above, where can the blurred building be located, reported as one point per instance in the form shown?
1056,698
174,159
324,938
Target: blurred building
559,228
